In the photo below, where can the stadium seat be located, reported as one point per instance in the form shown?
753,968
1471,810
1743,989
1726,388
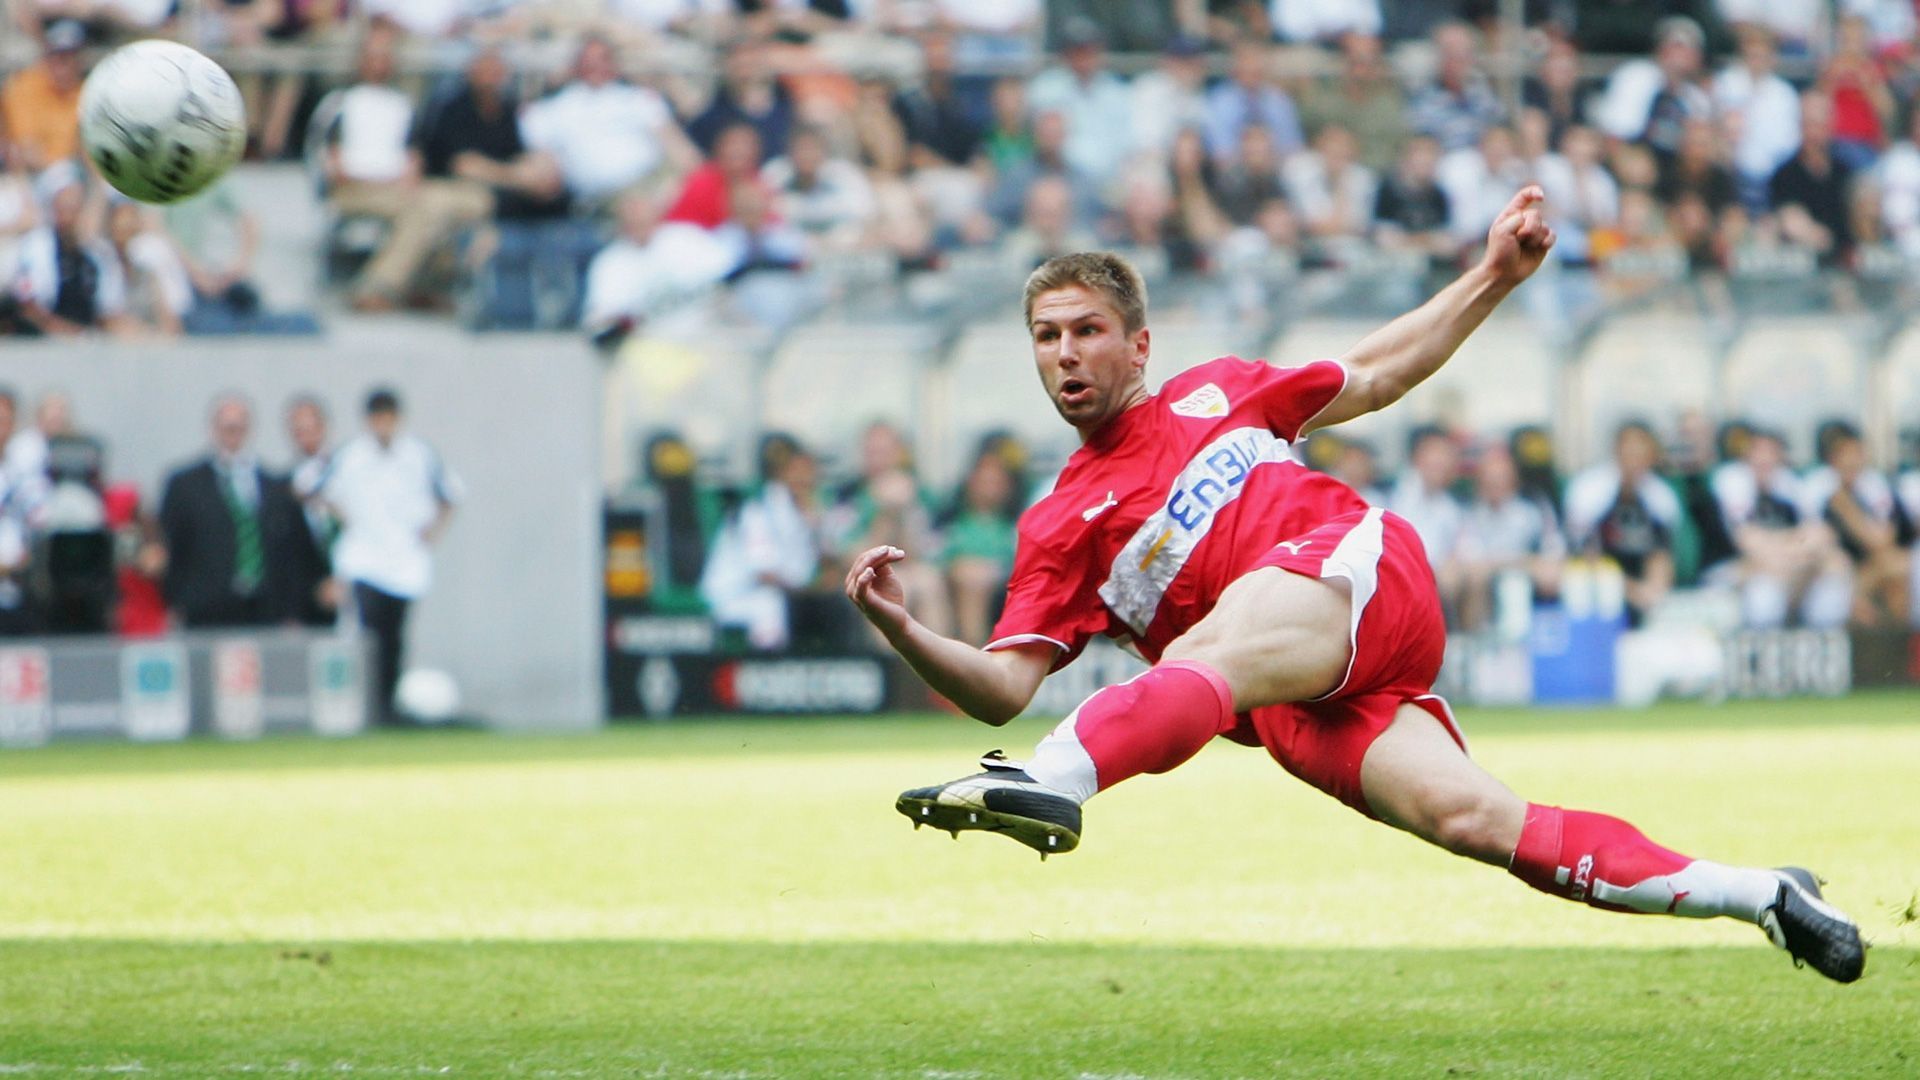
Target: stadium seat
828,380
1650,366
1793,372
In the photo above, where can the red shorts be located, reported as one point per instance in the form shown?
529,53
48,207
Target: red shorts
1398,637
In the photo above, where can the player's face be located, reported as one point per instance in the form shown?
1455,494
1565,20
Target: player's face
1091,367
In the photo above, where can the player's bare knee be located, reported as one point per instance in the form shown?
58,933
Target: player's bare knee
1472,824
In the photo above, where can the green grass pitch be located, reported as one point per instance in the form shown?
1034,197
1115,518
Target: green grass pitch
738,899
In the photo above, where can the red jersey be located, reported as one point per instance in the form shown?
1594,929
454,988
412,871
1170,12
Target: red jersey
1168,503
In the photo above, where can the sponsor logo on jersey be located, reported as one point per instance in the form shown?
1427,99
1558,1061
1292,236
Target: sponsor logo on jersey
1154,556
1209,400
1582,874
1294,547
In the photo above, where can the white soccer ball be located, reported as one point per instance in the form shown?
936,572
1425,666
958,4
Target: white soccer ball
160,121
428,695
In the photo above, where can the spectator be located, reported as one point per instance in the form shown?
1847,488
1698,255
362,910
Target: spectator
1008,139
1503,534
1863,108
1695,460
1171,97
17,615
216,239
1250,179
1356,465
748,94
1480,181
902,224
650,269
1332,192
1411,211
1872,526
1898,174
764,251
1809,192
394,499
1704,212
1783,561
19,216
1458,108
1008,199
1556,91
1365,99
1201,220
475,138
1424,493
1797,24
769,554
1323,22
1248,98
27,452
1047,228
232,530
159,292
1649,101
1582,197
886,505
316,595
1091,99
978,554
40,104
1148,227
706,196
1622,511
69,281
1763,111
375,173
826,197
938,118
606,135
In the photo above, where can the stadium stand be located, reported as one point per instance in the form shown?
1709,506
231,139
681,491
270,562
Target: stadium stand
863,261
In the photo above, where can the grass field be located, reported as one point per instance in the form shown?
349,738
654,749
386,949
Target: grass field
738,899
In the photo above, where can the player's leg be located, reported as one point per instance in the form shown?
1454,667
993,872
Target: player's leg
1417,777
1274,636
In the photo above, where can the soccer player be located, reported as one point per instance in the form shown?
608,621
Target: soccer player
1277,608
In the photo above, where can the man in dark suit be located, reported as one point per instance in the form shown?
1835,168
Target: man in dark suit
234,533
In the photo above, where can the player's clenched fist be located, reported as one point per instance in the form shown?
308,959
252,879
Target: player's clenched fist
876,591
1520,237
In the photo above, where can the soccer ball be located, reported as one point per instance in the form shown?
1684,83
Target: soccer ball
160,121
428,696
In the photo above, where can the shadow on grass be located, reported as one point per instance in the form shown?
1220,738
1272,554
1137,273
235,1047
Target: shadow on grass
743,1009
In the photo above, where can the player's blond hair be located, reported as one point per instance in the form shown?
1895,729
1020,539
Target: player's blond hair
1102,271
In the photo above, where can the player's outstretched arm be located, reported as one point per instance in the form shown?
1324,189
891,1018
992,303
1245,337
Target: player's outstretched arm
1400,355
989,686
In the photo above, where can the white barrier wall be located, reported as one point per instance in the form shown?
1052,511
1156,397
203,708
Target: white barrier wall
515,612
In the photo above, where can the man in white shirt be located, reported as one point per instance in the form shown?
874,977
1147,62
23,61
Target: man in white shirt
374,171
607,135
650,269
394,499
1764,112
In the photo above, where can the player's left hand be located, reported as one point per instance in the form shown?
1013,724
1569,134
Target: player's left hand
1520,238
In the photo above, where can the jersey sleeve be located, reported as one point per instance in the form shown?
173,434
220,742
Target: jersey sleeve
1286,398
1053,597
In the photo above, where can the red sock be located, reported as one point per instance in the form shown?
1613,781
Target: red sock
1149,724
1583,856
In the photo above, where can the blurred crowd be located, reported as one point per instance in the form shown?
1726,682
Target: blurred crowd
1697,510
688,146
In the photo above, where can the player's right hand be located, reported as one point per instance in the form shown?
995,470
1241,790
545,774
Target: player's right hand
876,591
